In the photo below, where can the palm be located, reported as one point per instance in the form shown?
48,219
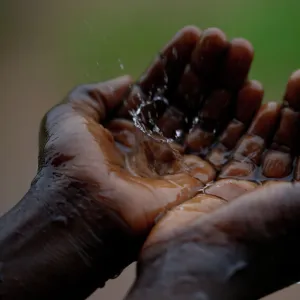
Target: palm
267,153
75,145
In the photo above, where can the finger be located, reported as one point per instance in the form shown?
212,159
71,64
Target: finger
166,70
98,100
237,64
292,94
229,189
209,52
171,123
278,161
249,150
216,112
204,133
200,74
124,133
292,101
199,168
195,81
249,100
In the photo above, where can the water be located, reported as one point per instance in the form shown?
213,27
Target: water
121,64
164,155
156,155
147,123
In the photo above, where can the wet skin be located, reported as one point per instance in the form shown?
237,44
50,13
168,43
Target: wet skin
87,211
237,147
95,198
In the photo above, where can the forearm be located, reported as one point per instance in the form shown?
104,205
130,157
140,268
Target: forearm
56,243
245,251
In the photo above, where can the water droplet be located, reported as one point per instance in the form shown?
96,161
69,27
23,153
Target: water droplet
175,53
196,120
121,64
178,133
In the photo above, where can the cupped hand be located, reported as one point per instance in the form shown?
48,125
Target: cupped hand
267,154
90,141
209,100
75,144
249,247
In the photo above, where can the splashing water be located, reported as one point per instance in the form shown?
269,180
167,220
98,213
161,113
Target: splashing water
140,120
145,118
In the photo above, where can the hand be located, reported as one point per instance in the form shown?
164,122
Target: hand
95,196
86,216
77,150
112,175
246,249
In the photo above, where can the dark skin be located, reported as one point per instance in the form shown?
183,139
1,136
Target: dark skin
95,199
245,250
248,248
83,220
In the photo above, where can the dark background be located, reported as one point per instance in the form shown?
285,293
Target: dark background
48,46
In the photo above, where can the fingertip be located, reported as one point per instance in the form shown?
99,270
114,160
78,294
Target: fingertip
265,120
255,85
292,94
249,100
191,32
295,74
167,68
120,82
208,52
276,164
216,34
113,91
199,168
237,64
243,45
182,43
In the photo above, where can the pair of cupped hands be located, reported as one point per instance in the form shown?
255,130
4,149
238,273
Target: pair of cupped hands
216,221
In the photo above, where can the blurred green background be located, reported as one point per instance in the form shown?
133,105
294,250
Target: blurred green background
49,46
95,40
129,34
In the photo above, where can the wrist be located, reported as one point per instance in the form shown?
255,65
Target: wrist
60,228
197,263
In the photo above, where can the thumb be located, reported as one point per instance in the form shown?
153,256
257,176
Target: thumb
97,100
